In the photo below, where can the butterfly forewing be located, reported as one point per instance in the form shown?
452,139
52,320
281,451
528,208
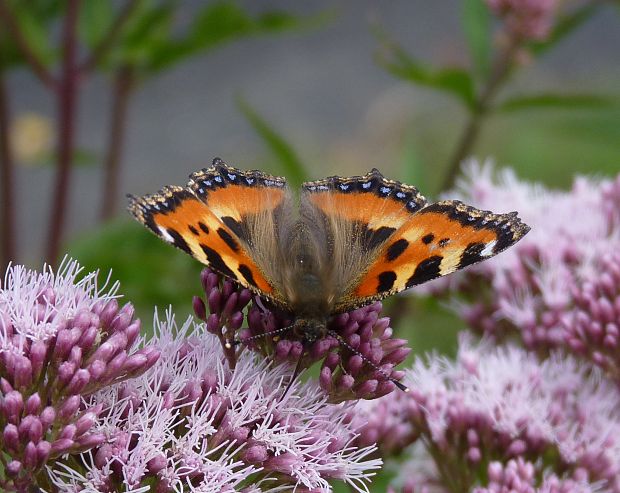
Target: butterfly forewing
212,224
438,240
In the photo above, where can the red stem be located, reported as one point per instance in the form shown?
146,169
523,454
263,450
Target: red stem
7,182
123,84
67,99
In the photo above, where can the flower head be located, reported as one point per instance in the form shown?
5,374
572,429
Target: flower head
514,476
526,19
191,423
521,476
498,404
358,352
61,338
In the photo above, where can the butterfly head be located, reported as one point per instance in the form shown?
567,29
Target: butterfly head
310,330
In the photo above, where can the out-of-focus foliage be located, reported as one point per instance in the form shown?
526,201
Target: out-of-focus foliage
454,81
287,159
153,39
477,30
35,19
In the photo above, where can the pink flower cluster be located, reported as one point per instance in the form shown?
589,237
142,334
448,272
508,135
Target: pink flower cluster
519,476
516,476
61,339
526,19
358,358
560,286
191,423
501,414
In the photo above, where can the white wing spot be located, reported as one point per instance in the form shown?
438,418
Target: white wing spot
165,235
488,249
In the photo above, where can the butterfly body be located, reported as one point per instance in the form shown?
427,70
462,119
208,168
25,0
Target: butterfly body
346,243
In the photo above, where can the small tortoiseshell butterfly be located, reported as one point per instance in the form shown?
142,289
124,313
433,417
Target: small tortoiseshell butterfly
347,243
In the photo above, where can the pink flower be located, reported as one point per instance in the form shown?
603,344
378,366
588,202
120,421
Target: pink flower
526,19
496,404
61,339
191,423
519,476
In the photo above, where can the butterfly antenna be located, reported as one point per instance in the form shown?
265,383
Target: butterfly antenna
344,343
235,342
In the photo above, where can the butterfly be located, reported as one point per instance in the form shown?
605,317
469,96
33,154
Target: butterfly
344,243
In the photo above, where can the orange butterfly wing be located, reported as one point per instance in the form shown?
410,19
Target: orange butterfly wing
405,241
438,240
206,220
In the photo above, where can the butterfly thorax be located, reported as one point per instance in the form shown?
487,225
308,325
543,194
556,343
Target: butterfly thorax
308,296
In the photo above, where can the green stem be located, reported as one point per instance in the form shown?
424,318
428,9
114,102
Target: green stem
67,102
123,84
499,74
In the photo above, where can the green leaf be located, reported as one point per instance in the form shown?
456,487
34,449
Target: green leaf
82,158
36,17
10,56
146,32
222,22
94,21
564,26
35,31
412,165
290,163
454,81
477,27
218,23
556,101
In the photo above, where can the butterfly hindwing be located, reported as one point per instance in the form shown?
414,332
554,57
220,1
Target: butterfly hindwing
439,239
217,222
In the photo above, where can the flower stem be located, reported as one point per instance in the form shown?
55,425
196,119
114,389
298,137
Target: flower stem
7,178
123,85
499,74
67,102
